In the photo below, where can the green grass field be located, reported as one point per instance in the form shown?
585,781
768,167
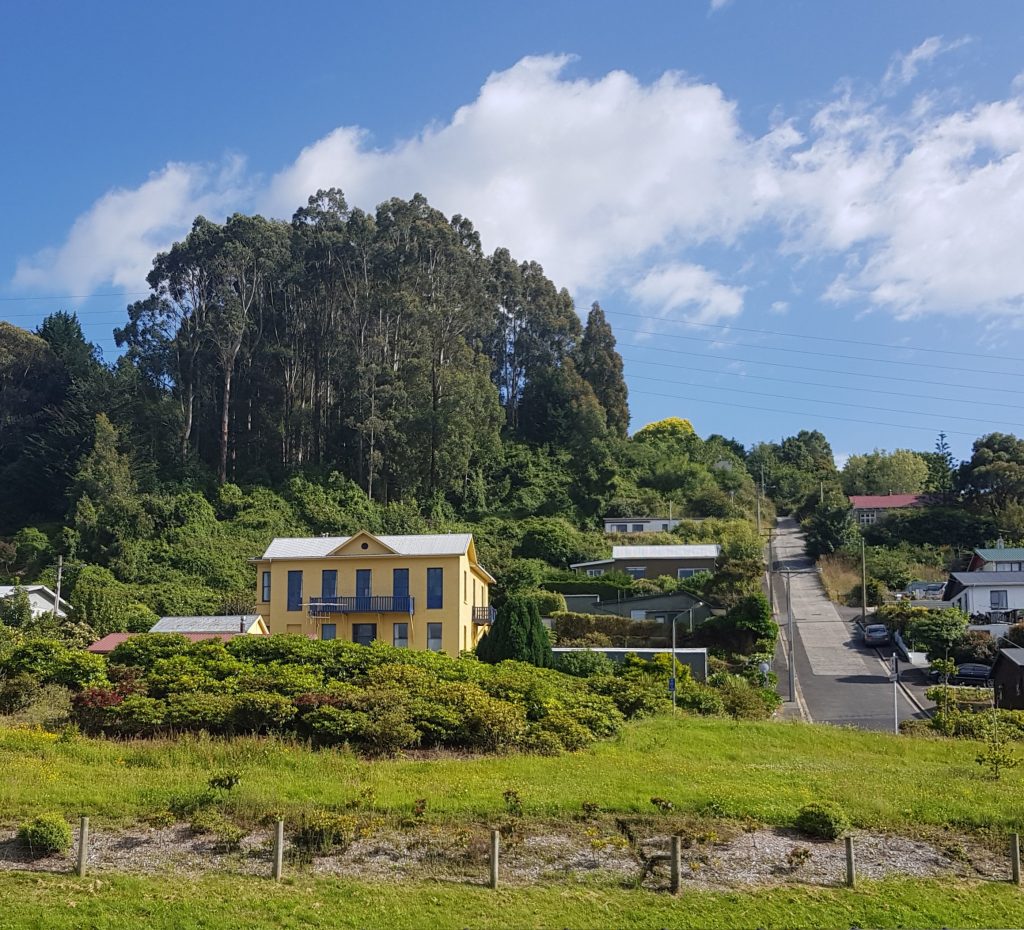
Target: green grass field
764,771
158,903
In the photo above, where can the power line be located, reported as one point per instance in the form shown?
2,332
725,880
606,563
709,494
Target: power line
856,342
788,365
834,403
854,358
800,413
824,384
77,296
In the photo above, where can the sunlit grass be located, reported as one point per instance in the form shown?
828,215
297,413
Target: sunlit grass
764,771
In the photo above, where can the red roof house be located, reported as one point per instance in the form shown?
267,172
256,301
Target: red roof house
868,508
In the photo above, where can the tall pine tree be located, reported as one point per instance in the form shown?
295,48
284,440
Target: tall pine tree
518,634
601,366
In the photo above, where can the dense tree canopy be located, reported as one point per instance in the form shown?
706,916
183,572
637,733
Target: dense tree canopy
880,472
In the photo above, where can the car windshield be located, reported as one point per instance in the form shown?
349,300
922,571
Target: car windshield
877,628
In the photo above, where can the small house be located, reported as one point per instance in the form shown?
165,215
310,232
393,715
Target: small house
1008,679
41,599
238,624
640,524
654,561
868,509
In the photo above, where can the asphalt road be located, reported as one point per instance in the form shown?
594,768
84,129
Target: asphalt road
839,680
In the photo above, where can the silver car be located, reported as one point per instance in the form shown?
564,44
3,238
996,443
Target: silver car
877,634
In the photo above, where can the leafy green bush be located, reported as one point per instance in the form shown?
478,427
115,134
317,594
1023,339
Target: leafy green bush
45,835
823,819
17,692
584,664
321,832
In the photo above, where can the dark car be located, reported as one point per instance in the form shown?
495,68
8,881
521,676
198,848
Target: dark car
970,673
876,634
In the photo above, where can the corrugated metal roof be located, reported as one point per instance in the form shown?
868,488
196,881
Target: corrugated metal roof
883,501
1001,555
699,551
320,546
998,579
227,624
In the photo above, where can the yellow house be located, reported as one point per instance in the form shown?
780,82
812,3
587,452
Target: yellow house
420,592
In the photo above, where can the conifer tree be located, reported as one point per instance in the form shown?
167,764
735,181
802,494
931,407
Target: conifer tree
518,633
601,366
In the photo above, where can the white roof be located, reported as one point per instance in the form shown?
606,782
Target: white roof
230,624
320,546
701,551
7,590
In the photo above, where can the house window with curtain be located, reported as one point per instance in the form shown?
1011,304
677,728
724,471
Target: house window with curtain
998,600
400,636
434,636
266,588
637,571
329,584
435,588
295,590
329,631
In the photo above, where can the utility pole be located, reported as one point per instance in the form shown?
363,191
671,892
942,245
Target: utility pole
60,574
821,492
863,585
672,677
895,693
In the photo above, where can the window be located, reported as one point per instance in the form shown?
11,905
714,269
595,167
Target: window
664,527
866,517
434,635
638,527
1004,566
685,573
295,590
400,583
621,527
638,615
364,633
998,600
465,587
435,588
329,631
636,571
400,637
364,588
266,587
595,572
329,584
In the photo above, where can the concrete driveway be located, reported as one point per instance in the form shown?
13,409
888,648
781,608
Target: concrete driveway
839,680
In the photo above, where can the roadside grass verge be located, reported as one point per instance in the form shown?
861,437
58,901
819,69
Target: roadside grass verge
58,902
764,771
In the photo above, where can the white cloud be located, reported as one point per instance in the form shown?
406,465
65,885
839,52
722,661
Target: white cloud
115,240
904,67
691,289
585,176
780,307
717,5
611,183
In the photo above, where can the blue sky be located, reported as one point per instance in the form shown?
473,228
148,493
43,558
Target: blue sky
728,179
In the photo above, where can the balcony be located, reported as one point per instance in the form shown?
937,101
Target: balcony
361,604
484,615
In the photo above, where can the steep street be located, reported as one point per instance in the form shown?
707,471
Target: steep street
839,680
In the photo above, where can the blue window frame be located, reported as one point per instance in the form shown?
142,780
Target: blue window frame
435,588
364,588
329,631
434,636
266,587
400,582
329,584
295,590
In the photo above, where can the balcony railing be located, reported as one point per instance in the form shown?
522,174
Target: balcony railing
361,604
484,614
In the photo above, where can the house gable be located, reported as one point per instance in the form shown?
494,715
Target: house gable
363,543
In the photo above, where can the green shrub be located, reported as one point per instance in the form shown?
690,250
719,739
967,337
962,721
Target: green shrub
822,819
17,692
227,835
321,832
584,664
45,835
262,713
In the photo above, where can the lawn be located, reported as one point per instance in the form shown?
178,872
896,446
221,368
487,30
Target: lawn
56,902
764,771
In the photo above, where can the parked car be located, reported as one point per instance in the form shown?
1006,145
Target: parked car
976,674
877,634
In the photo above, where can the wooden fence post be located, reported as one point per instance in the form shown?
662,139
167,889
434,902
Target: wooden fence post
495,852
278,850
1015,857
851,864
675,865
83,846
